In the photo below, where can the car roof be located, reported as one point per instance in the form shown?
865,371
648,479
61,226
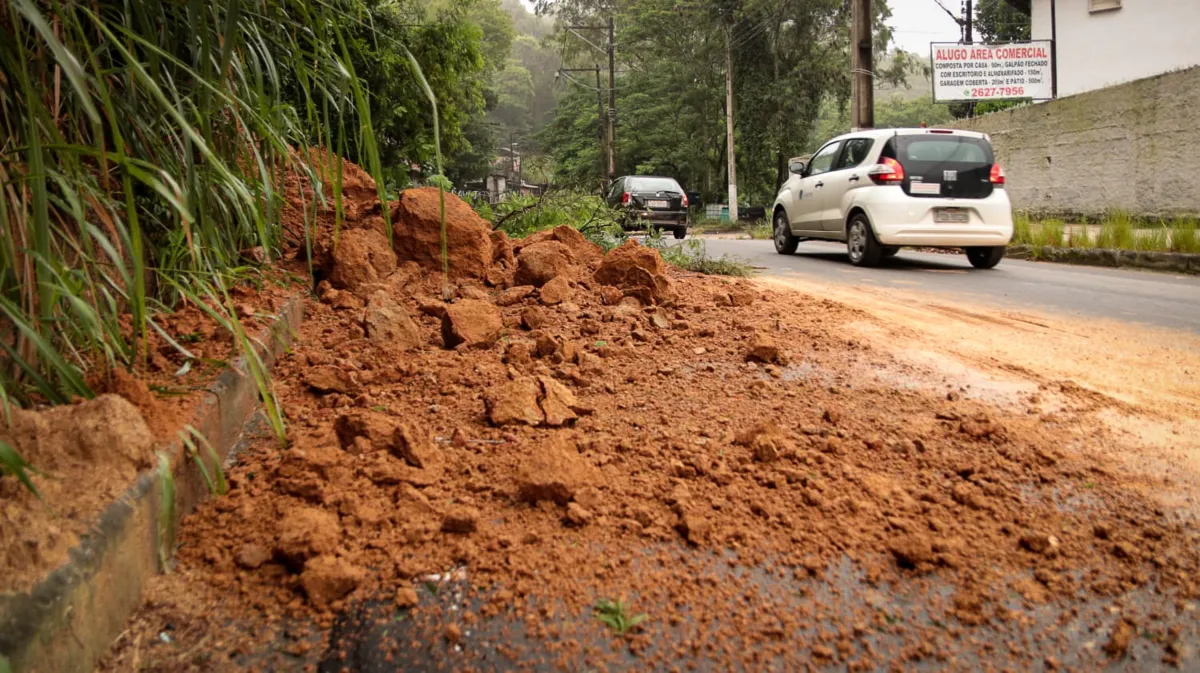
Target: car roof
887,133
654,177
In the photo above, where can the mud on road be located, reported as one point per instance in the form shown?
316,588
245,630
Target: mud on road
763,474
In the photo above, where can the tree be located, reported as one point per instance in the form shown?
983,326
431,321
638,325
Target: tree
998,21
788,57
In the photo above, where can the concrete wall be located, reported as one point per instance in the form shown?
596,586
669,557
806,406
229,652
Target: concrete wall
1133,147
1141,39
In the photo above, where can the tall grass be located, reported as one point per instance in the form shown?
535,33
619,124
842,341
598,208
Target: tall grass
143,146
1184,237
1116,232
1022,233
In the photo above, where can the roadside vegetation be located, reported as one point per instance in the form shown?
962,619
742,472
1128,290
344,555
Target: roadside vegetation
148,145
1116,231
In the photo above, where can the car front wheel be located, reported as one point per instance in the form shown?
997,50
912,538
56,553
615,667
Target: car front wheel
987,257
785,241
861,245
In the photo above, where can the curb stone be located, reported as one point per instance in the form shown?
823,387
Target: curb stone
70,619
1173,262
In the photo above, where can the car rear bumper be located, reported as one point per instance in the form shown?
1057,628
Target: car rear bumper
639,218
899,219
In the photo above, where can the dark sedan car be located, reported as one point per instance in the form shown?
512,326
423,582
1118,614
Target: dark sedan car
650,201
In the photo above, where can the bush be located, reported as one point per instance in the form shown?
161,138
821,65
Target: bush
519,216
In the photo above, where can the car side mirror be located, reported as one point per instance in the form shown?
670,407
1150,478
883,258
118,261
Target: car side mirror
797,167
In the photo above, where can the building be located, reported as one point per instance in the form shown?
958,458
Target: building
1100,43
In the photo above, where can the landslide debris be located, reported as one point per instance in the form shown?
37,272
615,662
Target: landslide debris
611,442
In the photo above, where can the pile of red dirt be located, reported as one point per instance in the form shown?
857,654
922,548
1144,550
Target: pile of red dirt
613,403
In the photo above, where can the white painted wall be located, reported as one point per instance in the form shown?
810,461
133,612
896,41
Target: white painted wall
1141,39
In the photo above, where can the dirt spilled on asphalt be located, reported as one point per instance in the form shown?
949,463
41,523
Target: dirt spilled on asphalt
752,468
1139,384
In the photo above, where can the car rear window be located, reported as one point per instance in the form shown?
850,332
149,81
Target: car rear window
654,185
950,149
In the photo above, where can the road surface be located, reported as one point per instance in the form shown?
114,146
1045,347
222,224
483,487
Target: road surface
1150,298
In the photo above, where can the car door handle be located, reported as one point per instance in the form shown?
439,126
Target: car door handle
819,184
853,178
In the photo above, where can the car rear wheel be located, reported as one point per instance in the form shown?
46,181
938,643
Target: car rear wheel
785,242
861,245
680,233
986,258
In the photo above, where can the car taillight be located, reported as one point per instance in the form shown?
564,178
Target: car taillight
887,172
625,198
685,201
997,175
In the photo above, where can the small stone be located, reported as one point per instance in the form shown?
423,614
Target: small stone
694,528
514,403
764,349
460,519
1122,634
327,379
328,578
578,515
1039,543
699,351
911,550
251,556
659,321
514,295
453,633
532,318
406,597
557,291
471,323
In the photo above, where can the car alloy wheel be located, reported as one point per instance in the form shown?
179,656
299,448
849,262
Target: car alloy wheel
856,241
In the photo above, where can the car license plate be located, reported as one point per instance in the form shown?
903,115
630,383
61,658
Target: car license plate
657,204
928,188
951,215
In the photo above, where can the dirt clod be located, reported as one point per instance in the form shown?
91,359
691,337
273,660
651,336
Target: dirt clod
1122,635
251,556
557,291
514,295
637,271
305,532
328,578
361,257
327,379
554,472
514,402
460,519
541,263
471,323
764,349
388,323
417,233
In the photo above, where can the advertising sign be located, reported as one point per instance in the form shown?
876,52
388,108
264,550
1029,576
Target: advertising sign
964,72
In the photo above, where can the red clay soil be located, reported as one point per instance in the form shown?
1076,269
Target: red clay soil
612,403
89,453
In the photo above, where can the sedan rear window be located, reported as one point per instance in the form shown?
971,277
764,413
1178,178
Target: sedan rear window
654,185
946,150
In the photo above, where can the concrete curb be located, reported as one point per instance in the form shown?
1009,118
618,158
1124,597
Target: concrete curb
69,620
1173,262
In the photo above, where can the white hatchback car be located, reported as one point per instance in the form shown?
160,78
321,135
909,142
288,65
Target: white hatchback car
880,190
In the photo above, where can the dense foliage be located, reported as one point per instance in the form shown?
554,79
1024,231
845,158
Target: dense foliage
789,56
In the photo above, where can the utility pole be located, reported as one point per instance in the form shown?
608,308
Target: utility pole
733,190
605,154
968,18
612,100
861,66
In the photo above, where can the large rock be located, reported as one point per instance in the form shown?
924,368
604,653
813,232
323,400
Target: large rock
471,323
555,472
582,250
417,233
305,532
541,263
388,323
638,271
361,257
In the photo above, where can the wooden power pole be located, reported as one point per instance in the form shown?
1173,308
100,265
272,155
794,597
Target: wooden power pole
862,66
733,190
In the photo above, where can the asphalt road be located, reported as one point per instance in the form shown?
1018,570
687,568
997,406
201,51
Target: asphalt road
1150,298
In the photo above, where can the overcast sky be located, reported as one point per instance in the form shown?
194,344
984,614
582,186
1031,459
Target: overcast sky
916,23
